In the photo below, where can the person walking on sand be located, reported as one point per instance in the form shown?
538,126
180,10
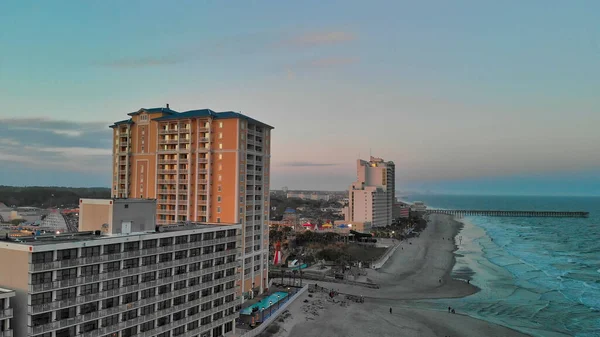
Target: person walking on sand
449,308
390,310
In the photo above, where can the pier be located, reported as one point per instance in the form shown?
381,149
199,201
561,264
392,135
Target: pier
522,214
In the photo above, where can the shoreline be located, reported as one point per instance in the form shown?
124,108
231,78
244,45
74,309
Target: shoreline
421,269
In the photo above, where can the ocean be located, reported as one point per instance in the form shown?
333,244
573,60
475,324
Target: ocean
538,275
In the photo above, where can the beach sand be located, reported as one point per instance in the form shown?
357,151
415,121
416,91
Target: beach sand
419,270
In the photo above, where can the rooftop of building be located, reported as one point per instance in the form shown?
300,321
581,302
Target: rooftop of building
173,115
50,238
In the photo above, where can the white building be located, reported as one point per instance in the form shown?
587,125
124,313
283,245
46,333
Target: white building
179,280
371,197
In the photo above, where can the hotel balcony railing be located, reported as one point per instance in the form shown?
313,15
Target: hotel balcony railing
165,211
168,141
203,139
167,181
183,160
167,161
202,202
122,191
37,267
166,191
183,181
202,149
204,129
251,172
202,191
202,171
166,202
58,304
184,140
168,132
201,213
164,171
169,150
124,171
123,134
184,130
6,313
203,160
6,333
182,192
202,181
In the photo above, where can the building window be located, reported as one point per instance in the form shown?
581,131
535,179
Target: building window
218,198
220,156
220,167
220,135
219,209
243,136
219,188
220,124
220,177
220,146
218,219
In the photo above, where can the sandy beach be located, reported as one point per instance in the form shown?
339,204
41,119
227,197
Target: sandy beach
420,269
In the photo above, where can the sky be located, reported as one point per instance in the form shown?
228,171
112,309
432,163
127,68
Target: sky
462,95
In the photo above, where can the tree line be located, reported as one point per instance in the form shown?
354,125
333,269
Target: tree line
45,197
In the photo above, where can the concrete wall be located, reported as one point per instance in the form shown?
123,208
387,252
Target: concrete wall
141,213
17,279
93,213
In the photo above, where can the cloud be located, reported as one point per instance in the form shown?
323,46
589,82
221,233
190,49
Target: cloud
327,62
130,63
321,39
58,145
306,164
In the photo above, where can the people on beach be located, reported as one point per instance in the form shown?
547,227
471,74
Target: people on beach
449,309
390,310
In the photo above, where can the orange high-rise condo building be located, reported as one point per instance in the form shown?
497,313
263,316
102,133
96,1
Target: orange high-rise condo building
200,166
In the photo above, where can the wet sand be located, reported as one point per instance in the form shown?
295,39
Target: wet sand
419,270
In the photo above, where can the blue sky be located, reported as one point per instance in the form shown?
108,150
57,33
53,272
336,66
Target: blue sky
455,92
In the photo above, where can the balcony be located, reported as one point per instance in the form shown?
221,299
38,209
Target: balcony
202,129
122,191
123,172
203,160
167,191
202,191
167,181
7,333
251,172
183,160
124,134
202,171
184,130
203,139
183,181
165,211
202,181
167,141
166,202
163,171
168,132
183,192
169,150
167,161
202,202
6,313
123,161
202,149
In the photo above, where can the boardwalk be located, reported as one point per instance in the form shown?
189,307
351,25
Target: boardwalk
527,214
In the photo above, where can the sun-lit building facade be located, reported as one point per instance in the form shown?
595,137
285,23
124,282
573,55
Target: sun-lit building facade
200,166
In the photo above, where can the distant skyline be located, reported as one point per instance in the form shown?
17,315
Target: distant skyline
464,96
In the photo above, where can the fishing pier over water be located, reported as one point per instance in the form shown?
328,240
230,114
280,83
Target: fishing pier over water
524,214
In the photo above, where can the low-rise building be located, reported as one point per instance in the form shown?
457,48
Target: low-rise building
179,280
6,312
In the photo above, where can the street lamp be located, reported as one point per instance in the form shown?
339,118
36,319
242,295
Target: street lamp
278,303
252,289
270,307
